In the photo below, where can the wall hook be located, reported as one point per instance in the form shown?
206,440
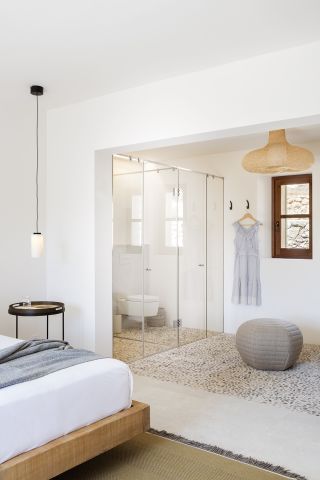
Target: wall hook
248,204
230,205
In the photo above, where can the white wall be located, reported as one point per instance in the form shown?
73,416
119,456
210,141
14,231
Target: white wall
241,97
103,247
288,285
20,275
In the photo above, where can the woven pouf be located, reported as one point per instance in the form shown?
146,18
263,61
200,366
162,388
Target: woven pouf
269,344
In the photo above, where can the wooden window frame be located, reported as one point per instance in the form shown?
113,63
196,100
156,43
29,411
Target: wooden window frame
277,251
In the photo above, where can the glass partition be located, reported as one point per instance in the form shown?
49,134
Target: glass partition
127,256
167,257
215,294
192,258
160,257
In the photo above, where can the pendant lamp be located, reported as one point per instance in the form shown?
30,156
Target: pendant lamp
278,156
37,241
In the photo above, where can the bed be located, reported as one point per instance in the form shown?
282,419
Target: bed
50,424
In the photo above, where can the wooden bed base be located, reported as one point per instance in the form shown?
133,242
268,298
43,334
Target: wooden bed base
77,447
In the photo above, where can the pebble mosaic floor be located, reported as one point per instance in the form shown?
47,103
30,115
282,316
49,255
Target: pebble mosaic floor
127,345
214,365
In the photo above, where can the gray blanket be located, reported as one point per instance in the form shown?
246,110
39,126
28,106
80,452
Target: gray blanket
32,359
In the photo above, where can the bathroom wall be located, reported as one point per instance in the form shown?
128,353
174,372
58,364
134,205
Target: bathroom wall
161,279
127,258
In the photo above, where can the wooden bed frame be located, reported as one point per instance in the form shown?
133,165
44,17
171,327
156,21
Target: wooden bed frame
79,446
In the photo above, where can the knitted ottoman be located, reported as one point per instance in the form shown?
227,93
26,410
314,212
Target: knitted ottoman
269,344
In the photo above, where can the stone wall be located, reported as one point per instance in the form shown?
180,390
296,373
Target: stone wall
297,202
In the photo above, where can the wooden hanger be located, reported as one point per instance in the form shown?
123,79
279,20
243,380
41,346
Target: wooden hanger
249,217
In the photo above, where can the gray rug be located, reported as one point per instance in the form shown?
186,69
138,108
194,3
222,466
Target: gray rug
214,365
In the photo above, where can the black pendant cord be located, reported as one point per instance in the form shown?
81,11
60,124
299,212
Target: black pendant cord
37,169
37,90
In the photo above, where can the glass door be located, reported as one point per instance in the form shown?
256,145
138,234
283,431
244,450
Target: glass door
127,256
160,239
215,322
192,257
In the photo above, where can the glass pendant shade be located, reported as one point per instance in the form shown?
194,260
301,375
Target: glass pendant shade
278,156
37,245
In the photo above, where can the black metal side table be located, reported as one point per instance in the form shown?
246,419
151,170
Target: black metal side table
37,309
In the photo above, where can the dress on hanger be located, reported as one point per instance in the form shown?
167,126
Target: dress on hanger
246,280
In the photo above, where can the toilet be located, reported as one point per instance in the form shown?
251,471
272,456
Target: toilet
132,305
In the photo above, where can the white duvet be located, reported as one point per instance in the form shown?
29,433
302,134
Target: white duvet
35,412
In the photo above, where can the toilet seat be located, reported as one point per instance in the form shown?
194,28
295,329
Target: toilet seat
138,305
145,298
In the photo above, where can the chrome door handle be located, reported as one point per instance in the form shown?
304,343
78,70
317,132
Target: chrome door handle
201,265
148,269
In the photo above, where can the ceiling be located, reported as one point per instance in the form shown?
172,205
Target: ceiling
79,49
308,136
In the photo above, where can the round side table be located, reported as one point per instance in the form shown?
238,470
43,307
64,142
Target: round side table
37,309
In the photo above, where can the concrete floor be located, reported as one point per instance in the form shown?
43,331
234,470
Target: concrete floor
272,434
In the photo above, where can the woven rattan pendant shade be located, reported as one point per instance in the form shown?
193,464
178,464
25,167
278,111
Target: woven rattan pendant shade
278,156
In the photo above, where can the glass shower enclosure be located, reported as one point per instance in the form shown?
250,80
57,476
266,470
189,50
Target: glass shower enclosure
167,257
